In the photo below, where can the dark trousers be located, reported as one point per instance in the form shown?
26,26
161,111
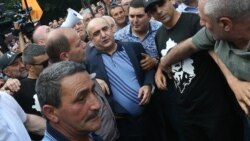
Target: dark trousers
132,128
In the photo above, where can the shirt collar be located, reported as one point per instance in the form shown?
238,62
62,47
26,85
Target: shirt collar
119,48
52,132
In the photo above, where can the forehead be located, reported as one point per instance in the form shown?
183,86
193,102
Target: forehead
97,24
81,80
116,9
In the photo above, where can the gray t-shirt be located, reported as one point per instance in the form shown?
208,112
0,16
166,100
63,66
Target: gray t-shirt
236,60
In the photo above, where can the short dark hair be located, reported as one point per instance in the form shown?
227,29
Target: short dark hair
97,8
136,4
31,51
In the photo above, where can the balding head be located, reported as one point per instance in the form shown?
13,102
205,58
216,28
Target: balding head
94,22
40,35
65,44
101,35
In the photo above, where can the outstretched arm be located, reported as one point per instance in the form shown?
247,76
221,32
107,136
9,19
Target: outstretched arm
240,88
179,52
35,124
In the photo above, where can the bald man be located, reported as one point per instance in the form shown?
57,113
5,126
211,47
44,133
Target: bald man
40,35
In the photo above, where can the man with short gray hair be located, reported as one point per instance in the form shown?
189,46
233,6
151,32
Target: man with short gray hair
67,97
64,44
227,32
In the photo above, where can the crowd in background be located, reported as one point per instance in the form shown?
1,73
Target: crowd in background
131,70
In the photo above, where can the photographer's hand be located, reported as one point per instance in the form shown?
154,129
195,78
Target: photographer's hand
17,26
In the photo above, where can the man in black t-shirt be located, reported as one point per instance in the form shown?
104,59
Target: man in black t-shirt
35,59
202,107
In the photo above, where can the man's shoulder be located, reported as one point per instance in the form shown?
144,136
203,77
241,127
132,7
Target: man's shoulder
155,25
190,16
123,32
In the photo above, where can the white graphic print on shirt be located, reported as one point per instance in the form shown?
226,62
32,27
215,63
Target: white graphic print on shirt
36,106
183,71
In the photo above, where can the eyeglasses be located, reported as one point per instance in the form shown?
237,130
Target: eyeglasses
44,63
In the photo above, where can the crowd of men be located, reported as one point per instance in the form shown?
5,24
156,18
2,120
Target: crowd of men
131,70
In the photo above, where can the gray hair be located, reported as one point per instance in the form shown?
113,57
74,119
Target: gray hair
31,51
48,85
234,9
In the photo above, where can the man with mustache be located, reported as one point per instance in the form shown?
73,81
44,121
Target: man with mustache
65,45
66,93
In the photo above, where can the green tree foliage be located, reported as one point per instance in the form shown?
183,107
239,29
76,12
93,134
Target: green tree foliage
9,3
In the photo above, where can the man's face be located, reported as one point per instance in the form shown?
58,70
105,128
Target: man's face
40,35
16,69
119,15
79,109
210,24
101,11
80,29
77,48
40,63
101,34
139,19
125,5
163,12
86,18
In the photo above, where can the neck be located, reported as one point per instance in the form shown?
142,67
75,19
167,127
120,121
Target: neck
112,49
243,45
32,75
70,134
121,25
141,34
173,21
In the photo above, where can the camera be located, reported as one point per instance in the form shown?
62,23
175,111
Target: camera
18,16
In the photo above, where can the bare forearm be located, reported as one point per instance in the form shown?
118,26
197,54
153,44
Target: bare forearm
35,124
21,42
179,52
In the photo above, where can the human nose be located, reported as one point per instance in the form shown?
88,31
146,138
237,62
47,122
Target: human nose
21,65
102,33
95,103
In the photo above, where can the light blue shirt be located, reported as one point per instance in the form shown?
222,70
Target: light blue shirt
12,118
186,9
123,81
148,43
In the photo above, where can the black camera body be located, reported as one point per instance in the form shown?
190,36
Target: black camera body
18,16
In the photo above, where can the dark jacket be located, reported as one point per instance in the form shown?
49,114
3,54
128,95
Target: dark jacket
94,62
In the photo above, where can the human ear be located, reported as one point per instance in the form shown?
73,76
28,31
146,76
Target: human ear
64,56
225,23
50,113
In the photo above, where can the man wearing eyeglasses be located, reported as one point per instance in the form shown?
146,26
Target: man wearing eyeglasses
35,60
